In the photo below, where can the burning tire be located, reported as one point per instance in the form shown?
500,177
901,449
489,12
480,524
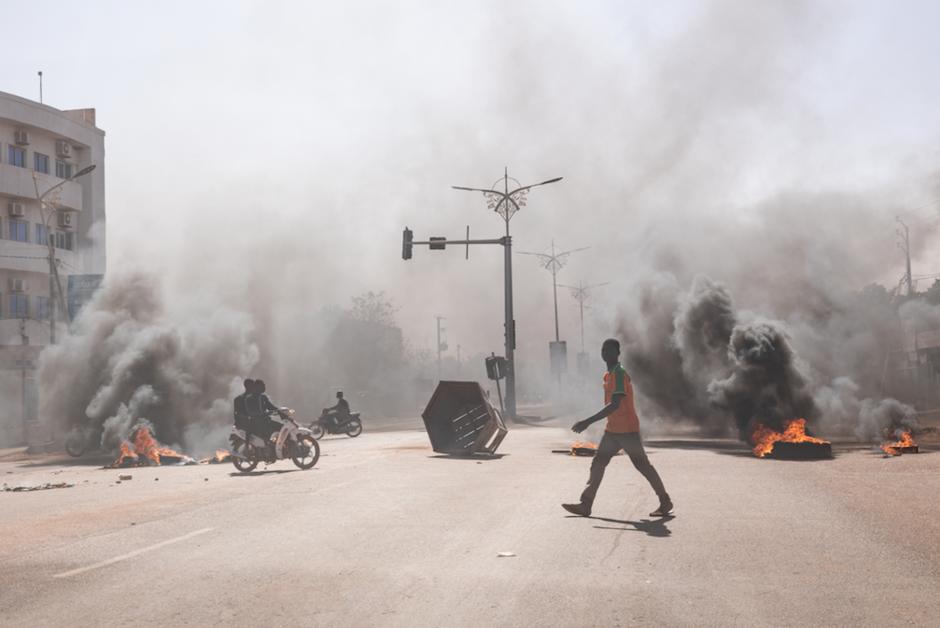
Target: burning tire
354,429
76,443
305,452
317,430
245,457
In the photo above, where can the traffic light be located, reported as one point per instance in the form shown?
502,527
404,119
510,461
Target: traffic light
406,238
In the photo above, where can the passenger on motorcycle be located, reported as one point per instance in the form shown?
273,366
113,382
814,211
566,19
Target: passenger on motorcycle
339,412
242,418
260,408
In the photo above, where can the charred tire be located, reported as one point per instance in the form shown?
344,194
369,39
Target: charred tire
317,430
354,429
313,447
250,455
76,443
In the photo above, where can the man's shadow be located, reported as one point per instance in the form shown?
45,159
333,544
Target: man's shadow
652,527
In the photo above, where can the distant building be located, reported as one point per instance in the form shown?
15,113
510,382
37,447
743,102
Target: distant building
41,146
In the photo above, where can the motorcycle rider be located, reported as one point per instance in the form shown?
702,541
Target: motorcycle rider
242,418
340,412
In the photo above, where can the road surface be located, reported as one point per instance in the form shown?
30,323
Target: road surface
385,533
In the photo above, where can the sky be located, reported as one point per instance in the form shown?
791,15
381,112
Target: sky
286,144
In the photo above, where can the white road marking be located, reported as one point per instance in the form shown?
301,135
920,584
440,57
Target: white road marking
143,550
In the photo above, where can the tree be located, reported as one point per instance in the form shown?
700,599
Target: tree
373,307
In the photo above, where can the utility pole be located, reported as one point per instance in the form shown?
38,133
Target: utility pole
40,86
55,285
904,243
441,345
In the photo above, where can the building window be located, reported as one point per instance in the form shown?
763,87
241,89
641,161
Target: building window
19,230
41,163
63,170
17,156
42,234
64,240
19,305
42,308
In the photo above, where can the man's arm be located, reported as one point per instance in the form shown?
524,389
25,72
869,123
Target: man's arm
605,412
269,406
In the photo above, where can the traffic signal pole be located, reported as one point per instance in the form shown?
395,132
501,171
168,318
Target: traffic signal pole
440,244
505,203
510,335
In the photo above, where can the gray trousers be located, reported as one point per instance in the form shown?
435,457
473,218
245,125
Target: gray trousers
609,446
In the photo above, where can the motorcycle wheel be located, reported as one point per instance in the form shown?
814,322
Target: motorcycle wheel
249,459
354,429
76,443
307,460
317,430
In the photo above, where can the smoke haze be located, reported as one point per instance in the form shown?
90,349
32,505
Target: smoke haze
735,167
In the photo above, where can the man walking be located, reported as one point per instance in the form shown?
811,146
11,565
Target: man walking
623,432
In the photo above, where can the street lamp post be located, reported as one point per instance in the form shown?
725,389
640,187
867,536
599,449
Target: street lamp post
55,286
441,345
506,203
582,293
553,263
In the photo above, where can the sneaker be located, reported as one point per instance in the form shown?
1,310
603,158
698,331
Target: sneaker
664,509
582,510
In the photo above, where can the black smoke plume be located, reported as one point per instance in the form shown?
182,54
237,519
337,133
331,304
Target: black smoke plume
125,361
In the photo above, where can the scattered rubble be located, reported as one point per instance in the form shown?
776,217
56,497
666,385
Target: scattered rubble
36,487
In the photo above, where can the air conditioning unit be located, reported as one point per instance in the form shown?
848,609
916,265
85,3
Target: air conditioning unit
16,210
63,148
17,285
65,219
21,137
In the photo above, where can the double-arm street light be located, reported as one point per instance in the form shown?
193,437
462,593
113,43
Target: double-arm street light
553,263
46,212
506,203
581,294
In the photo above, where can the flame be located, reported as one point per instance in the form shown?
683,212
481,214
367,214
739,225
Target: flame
794,432
581,444
894,449
220,455
145,450
127,457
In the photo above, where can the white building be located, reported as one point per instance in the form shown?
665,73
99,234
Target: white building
40,147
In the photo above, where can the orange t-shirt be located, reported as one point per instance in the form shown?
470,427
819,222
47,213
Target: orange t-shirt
624,419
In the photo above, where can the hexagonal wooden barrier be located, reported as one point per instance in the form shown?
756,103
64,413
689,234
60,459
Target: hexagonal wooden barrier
461,420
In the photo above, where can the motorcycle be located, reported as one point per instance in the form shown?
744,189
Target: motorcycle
293,441
352,425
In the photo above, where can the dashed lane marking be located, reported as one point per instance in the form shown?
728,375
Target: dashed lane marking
137,552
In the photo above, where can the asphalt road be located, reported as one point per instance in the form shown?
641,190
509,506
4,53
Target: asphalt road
384,533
